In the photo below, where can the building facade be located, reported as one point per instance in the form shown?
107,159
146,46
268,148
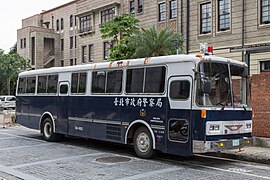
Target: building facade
70,34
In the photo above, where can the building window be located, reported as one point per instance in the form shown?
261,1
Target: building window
62,63
224,15
75,42
107,15
71,21
106,50
206,22
62,23
23,43
86,23
71,42
71,62
173,9
265,12
62,45
132,6
265,66
91,53
57,25
162,11
140,6
83,54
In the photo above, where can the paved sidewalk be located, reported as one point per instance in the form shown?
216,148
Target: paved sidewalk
252,154
259,152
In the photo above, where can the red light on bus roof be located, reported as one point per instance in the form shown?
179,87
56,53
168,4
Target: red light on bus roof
210,49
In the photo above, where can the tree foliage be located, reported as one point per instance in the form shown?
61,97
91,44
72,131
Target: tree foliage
150,42
10,66
119,31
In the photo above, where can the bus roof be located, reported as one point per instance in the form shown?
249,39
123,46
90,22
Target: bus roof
130,63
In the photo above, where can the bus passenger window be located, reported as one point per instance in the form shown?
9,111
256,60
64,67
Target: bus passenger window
42,81
52,84
78,83
179,90
31,85
134,82
98,82
178,130
155,80
74,82
82,83
114,81
21,86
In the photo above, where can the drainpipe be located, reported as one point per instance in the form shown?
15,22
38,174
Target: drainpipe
181,16
243,29
187,28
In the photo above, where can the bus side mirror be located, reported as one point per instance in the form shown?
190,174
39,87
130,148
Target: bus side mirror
206,86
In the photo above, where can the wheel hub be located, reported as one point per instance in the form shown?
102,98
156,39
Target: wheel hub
143,142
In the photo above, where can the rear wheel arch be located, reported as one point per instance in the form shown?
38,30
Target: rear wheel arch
44,116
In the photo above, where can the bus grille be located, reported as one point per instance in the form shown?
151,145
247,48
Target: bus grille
113,132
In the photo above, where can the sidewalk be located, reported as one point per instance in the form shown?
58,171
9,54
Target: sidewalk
259,152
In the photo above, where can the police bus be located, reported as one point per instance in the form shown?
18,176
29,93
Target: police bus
178,104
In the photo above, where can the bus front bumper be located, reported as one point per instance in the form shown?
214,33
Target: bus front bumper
224,144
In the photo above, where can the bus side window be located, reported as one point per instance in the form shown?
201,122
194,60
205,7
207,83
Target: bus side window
42,82
134,82
78,83
114,81
179,90
52,84
178,130
22,85
98,82
31,85
155,79
63,89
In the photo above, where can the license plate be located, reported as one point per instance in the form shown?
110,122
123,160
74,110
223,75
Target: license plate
236,142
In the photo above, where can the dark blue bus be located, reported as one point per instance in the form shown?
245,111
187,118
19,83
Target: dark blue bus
179,104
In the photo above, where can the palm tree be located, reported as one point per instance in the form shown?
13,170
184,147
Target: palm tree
150,42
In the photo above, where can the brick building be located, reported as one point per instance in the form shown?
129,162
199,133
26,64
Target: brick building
69,34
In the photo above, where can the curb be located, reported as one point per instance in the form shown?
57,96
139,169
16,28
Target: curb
242,156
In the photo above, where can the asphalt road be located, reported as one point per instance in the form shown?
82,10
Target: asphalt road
24,155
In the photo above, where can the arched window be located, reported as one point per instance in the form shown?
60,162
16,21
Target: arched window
62,23
71,20
57,25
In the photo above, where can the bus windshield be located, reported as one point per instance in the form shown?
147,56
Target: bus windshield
223,84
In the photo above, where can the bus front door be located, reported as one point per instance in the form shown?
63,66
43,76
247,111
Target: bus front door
179,116
62,108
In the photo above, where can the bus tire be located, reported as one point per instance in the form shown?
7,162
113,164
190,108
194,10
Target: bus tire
143,143
47,131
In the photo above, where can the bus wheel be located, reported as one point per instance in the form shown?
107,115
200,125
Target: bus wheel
143,143
47,131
